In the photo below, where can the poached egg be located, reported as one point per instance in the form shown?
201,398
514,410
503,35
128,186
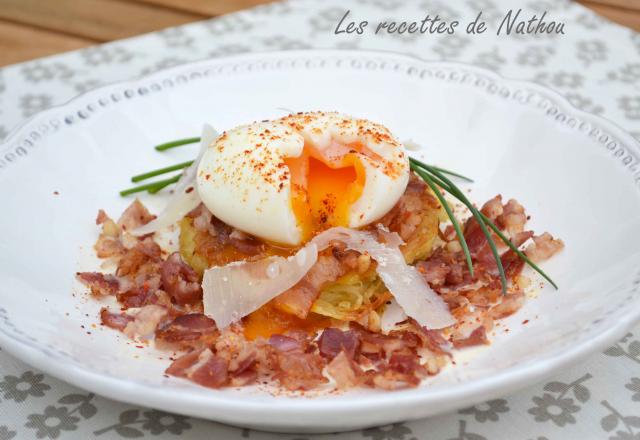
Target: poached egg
288,179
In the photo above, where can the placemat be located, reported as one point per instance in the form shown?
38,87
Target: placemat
596,64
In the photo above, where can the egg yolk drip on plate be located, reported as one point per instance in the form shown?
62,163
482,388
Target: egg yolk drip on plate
285,180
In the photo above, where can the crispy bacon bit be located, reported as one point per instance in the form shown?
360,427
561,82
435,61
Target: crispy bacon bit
543,247
334,341
180,281
180,366
434,271
145,321
393,380
404,363
299,370
509,304
299,299
285,343
140,295
101,217
477,337
432,340
473,234
405,217
109,243
213,372
188,331
513,218
350,259
344,371
140,259
201,367
99,283
116,321
493,208
166,300
134,216
245,243
202,220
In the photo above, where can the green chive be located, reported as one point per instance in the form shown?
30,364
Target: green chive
452,217
455,191
504,238
517,251
452,173
151,187
164,184
176,143
508,242
160,171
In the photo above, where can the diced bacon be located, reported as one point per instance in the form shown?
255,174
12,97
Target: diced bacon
405,217
143,290
404,363
134,297
477,337
299,299
245,243
299,371
116,321
109,243
513,218
166,299
135,216
296,368
213,372
180,281
543,247
493,208
349,259
393,380
191,330
509,304
285,343
202,220
433,340
137,259
344,371
473,234
99,283
242,379
334,341
181,365
384,345
201,367
101,217
434,271
145,321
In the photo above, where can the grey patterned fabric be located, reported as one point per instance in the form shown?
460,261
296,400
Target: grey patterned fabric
595,64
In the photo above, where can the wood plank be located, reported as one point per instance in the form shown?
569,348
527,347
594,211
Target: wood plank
207,7
102,20
626,4
21,43
625,17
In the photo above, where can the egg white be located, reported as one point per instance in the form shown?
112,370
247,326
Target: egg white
243,180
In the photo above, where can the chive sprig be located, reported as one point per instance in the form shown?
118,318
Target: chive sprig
435,177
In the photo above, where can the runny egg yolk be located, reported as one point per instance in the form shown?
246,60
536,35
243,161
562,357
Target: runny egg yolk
325,183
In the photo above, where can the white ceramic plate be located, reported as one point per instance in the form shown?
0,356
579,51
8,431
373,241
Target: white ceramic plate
577,174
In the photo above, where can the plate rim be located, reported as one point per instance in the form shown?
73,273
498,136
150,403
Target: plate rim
474,390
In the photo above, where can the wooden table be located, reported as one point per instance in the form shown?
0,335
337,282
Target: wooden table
35,28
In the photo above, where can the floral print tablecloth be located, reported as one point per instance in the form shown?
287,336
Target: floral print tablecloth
596,64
